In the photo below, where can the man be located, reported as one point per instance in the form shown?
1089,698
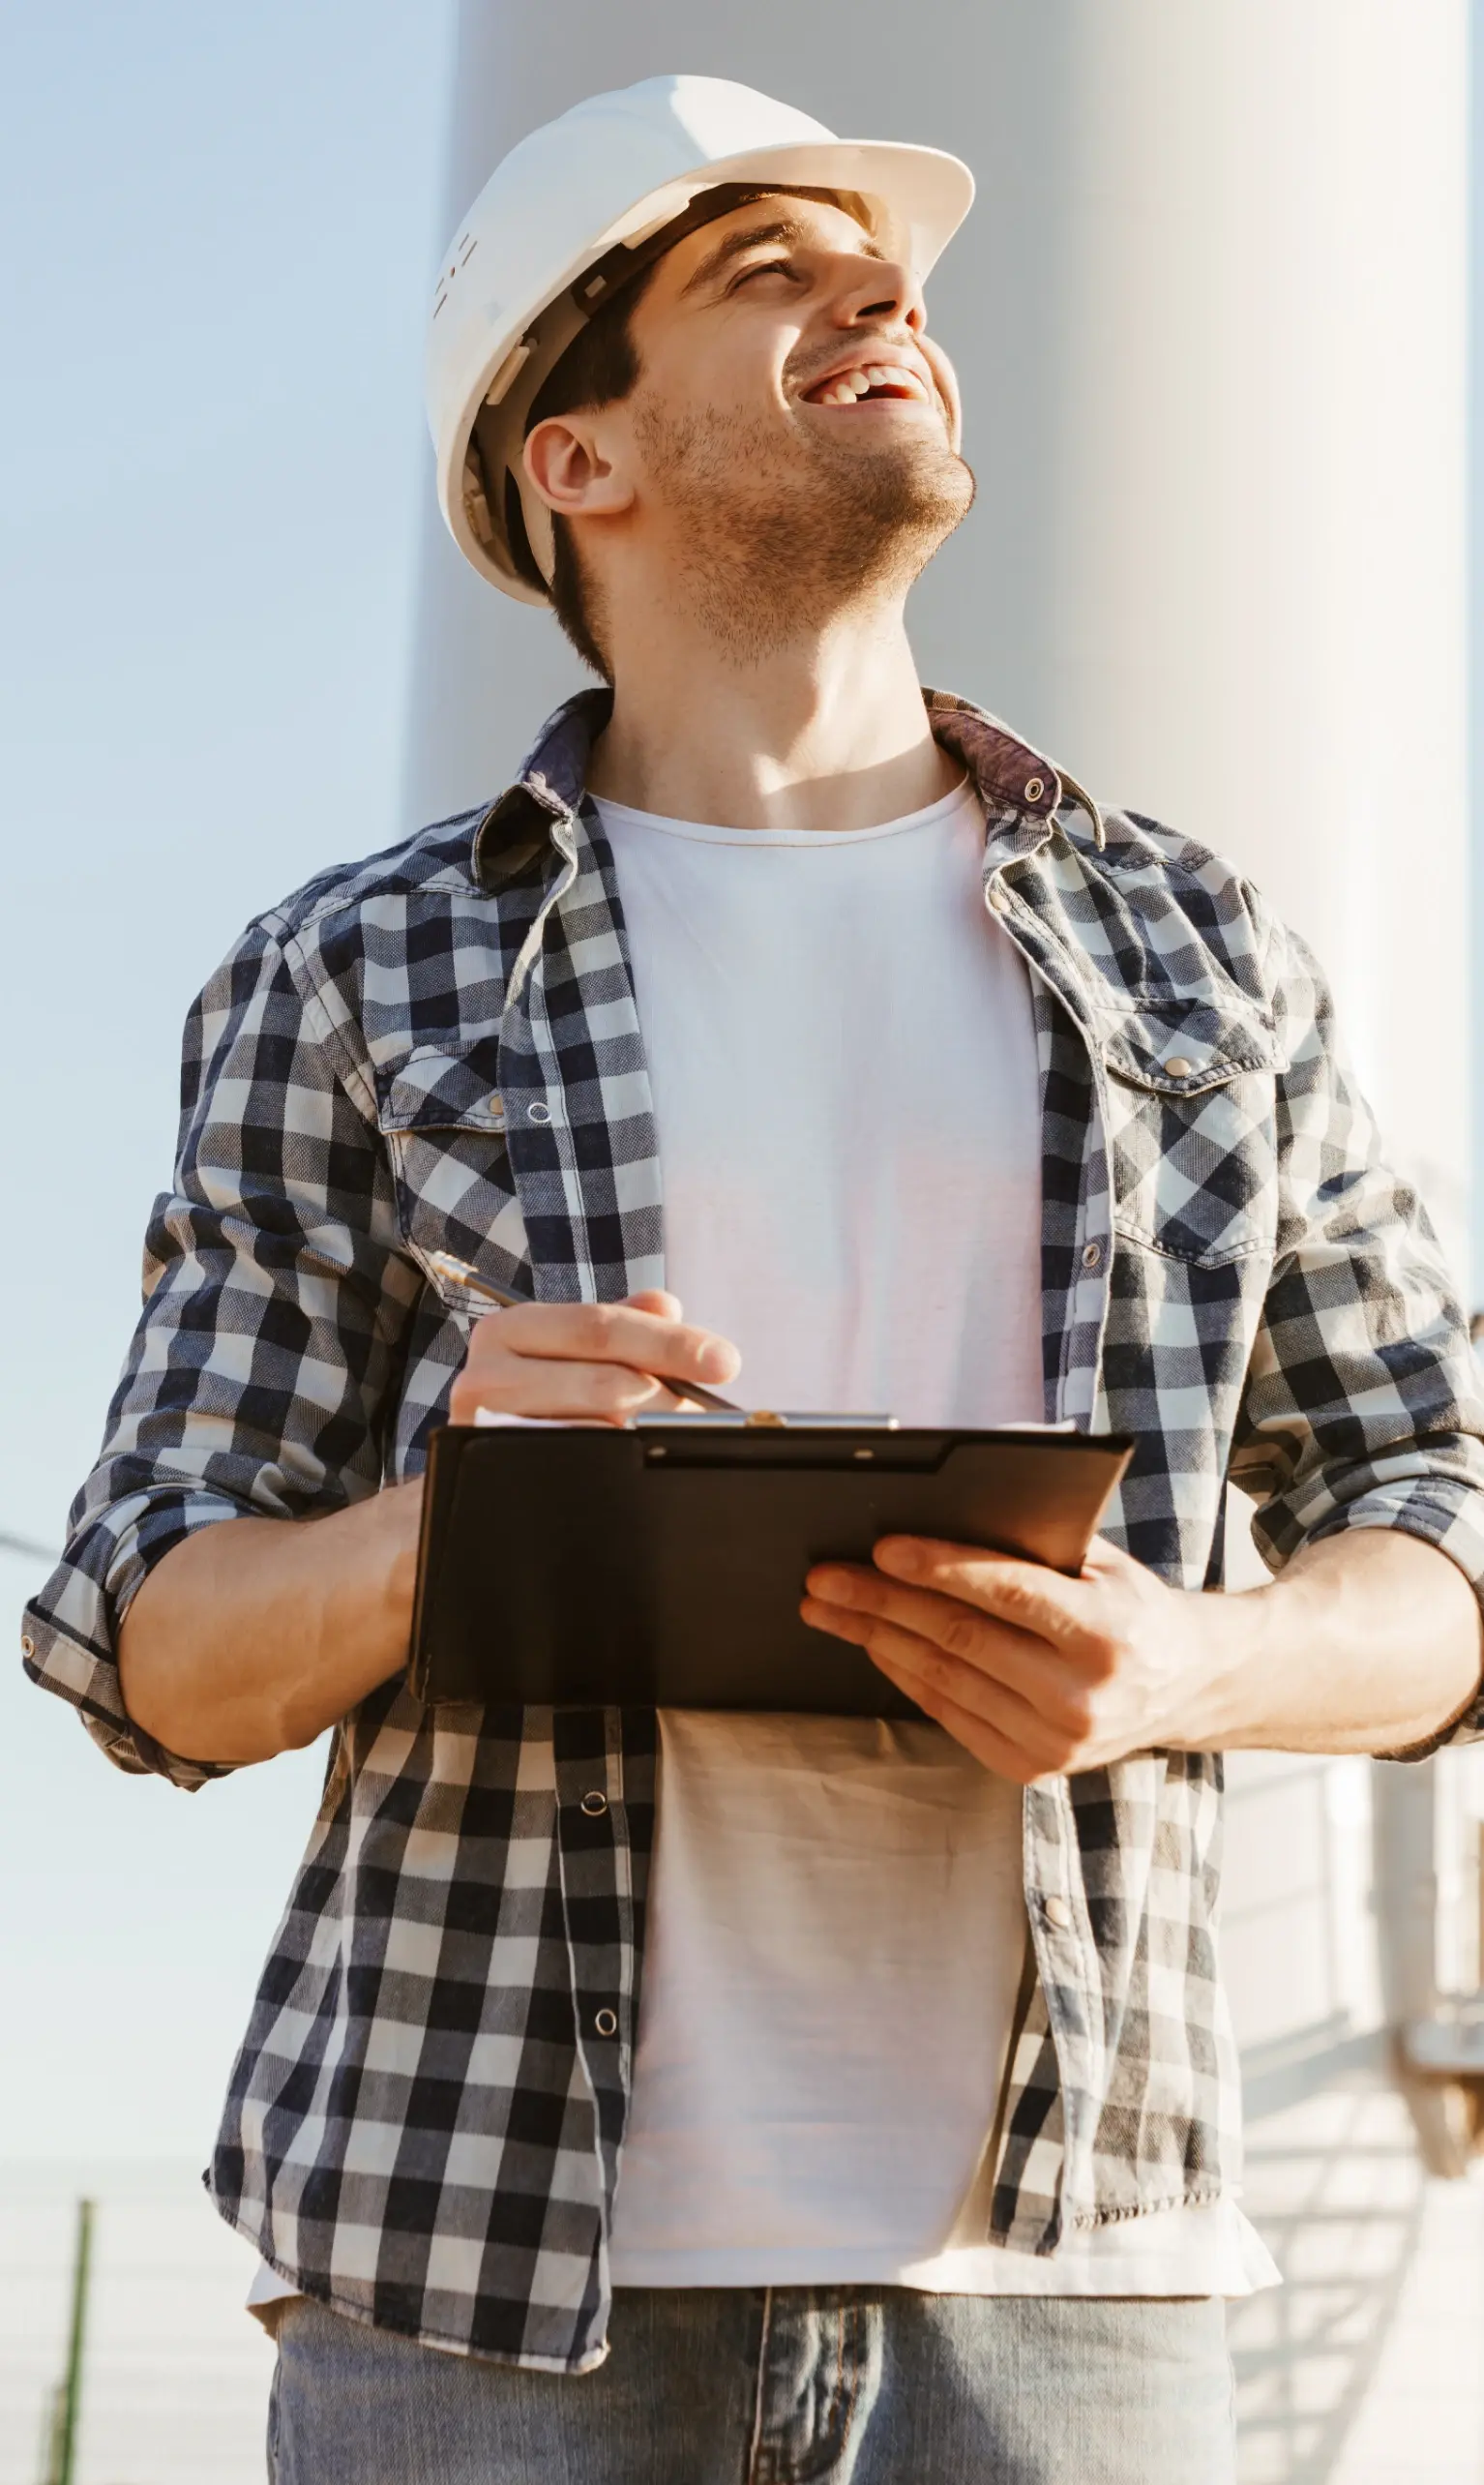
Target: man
846,1017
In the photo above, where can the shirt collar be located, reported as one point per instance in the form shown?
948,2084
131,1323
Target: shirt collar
1021,788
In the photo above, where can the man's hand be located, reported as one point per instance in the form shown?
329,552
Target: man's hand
252,1636
595,1362
1032,1672
1369,1642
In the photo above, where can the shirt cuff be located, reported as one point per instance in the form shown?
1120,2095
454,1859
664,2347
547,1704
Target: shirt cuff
69,1632
1418,1499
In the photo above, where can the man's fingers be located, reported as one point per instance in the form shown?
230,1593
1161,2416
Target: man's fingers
559,1391
1066,1672
1017,1658
587,1361
609,1333
991,1749
1025,1595
1055,1686
668,1308
929,1674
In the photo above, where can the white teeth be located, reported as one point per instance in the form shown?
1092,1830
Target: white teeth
848,385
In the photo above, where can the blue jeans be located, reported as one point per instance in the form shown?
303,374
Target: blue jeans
836,2385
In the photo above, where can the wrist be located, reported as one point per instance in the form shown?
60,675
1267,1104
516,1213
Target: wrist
361,1599
1233,1638
400,1508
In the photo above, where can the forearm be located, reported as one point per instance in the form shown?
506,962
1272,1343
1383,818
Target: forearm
1369,1642
251,1637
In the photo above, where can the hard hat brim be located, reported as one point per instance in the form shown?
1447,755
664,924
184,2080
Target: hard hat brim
924,192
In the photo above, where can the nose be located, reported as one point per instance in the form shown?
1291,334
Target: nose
875,291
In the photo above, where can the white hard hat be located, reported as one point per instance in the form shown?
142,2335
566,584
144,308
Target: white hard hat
609,177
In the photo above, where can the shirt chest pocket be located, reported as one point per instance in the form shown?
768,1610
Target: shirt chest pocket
443,1128
1190,1094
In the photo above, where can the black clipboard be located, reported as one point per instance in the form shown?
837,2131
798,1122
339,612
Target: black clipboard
662,1566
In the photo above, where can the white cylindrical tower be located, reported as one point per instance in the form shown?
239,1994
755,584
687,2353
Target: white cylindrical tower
1211,316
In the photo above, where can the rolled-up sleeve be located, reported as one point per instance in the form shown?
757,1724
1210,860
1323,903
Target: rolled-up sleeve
275,1301
1362,1404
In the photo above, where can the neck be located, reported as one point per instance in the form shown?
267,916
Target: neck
826,730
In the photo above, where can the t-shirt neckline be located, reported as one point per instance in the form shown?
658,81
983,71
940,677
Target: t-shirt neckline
701,832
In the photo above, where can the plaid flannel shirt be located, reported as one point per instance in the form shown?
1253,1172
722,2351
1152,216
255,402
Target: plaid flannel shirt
438,1049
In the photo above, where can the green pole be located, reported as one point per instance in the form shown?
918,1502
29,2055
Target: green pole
64,2440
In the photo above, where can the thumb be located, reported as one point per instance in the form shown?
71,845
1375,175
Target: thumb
667,1307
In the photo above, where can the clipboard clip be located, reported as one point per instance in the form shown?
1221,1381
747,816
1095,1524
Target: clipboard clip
763,1418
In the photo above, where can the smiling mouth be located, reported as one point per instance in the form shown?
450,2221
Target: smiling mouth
868,383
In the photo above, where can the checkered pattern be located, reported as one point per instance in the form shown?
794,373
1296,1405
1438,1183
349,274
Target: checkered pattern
439,1049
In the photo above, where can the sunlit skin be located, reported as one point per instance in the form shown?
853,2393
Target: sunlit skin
753,521
769,313
816,720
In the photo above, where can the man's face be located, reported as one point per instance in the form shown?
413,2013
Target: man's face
792,438
781,313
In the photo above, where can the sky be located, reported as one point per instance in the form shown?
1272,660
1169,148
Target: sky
219,230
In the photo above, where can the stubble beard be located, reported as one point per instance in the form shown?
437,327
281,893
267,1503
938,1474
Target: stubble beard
779,541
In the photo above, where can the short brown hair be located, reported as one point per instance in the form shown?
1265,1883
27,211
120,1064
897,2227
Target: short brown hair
598,367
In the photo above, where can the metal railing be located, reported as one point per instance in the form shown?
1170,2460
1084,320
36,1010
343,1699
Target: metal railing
59,2447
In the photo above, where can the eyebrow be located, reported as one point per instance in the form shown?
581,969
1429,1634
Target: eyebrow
753,237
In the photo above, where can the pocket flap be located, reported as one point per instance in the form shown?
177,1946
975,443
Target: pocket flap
1179,1047
443,1086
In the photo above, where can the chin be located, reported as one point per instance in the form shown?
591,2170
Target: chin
913,480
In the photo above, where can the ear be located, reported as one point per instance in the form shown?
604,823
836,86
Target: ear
576,468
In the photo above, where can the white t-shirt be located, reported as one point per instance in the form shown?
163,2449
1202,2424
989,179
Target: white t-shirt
843,1060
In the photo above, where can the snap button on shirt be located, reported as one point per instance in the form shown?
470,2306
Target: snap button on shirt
595,1803
1178,1067
1092,1253
607,2023
537,1113
1059,1913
